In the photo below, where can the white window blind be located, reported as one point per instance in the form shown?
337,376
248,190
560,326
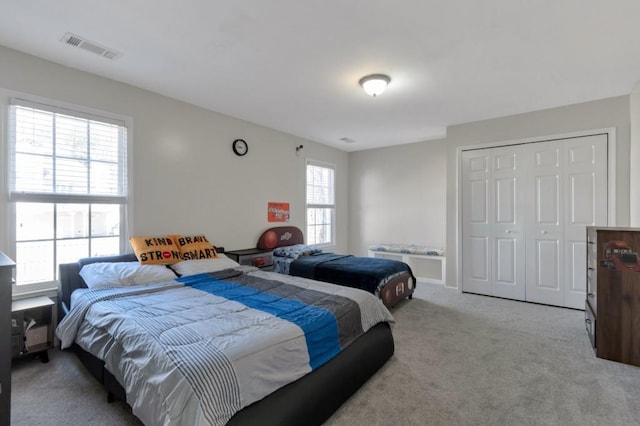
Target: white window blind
57,153
320,203
67,187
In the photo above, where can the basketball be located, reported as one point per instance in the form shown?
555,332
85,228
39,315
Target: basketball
270,239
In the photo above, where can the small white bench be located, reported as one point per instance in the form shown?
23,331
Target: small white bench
428,264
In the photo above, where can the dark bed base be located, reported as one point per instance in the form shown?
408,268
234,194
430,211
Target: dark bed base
310,400
315,397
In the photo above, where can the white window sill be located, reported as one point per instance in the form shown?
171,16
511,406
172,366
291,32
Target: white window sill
50,290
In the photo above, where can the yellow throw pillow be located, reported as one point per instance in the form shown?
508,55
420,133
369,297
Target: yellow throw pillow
156,250
194,247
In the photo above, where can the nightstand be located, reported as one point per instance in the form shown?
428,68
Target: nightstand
32,327
259,258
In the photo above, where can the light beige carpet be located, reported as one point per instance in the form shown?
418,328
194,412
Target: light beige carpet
460,359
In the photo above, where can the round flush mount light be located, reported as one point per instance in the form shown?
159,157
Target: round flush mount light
375,84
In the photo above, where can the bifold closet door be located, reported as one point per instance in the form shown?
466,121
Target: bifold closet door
524,212
545,227
568,185
586,186
493,216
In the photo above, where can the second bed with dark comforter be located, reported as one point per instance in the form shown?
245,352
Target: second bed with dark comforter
391,280
348,270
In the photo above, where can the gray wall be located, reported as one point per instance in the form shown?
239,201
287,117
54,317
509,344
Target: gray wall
634,159
398,195
186,177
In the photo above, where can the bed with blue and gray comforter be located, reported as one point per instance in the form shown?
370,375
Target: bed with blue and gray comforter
204,349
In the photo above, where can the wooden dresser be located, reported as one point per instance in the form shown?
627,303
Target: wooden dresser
612,308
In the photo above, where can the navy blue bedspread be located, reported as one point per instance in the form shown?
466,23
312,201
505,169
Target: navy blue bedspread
366,273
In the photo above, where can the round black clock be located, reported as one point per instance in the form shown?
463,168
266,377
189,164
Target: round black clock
240,147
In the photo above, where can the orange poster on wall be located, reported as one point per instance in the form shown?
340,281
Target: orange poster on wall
277,212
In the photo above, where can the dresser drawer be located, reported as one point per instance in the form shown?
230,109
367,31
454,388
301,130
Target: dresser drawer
592,269
590,324
258,259
592,290
252,257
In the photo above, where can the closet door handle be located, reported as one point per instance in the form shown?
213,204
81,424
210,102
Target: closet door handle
543,232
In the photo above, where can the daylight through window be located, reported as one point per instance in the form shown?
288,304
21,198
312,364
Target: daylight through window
67,187
320,204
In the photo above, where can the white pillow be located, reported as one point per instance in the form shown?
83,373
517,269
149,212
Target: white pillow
201,266
122,274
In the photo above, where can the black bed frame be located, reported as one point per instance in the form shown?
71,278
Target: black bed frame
310,400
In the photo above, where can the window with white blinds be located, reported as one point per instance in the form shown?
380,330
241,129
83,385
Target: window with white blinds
320,203
67,187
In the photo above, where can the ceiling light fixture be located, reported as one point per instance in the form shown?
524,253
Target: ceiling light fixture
374,84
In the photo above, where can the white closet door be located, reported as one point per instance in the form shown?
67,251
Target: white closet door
476,224
585,188
524,213
493,222
508,222
545,256
568,179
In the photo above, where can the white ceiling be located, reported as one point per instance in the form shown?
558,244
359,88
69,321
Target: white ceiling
294,65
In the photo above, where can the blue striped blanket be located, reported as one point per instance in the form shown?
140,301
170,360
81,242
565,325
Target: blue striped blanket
196,350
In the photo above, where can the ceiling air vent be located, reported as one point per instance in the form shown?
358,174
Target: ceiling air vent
82,43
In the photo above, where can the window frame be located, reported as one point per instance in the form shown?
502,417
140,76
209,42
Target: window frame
311,162
8,201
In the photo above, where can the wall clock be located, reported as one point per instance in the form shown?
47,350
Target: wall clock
240,147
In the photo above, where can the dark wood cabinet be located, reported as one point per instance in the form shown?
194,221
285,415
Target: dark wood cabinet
6,277
612,308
